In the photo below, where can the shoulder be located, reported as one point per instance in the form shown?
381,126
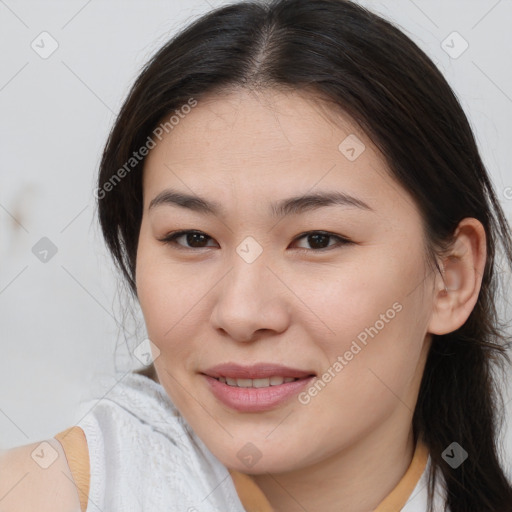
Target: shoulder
37,476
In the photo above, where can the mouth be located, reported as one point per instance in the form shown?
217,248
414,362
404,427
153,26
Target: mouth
275,380
256,388
255,372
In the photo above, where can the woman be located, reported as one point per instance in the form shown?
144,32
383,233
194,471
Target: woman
295,197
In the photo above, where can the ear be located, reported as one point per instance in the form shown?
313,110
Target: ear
457,288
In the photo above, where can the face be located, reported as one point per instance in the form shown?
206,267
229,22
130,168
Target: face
335,289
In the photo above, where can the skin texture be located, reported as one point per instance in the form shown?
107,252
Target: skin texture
26,485
204,304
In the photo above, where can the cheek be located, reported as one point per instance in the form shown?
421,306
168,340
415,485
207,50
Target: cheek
372,370
377,319
158,293
171,297
364,293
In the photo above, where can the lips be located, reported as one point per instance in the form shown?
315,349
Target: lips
257,371
254,398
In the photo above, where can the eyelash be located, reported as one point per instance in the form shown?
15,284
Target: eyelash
170,239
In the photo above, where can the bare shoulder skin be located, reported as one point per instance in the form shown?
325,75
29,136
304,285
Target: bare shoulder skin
36,476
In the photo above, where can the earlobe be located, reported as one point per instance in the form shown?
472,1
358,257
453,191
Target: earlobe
458,286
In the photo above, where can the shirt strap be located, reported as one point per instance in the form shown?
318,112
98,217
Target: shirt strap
399,496
74,443
250,494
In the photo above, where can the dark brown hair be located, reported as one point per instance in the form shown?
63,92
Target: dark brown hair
370,69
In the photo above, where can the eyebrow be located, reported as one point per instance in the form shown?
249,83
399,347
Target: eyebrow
291,205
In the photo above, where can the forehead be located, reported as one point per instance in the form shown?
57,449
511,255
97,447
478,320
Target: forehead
265,125
254,145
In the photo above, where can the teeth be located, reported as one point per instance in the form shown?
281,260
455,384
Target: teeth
244,383
255,383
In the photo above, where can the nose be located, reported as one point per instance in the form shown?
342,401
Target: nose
250,301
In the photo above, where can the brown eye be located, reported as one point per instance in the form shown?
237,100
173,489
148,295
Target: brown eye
319,240
194,239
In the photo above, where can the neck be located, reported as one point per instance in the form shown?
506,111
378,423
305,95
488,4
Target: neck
356,479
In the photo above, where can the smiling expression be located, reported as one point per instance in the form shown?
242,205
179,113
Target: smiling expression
270,275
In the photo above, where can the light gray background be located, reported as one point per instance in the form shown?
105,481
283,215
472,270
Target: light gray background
59,320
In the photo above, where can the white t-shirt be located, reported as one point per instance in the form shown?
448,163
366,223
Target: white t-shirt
144,456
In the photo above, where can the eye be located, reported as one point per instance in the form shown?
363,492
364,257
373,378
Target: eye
197,240
318,239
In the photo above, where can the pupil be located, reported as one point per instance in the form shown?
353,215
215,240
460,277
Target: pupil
315,238
190,239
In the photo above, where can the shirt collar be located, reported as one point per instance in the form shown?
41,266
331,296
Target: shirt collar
253,499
